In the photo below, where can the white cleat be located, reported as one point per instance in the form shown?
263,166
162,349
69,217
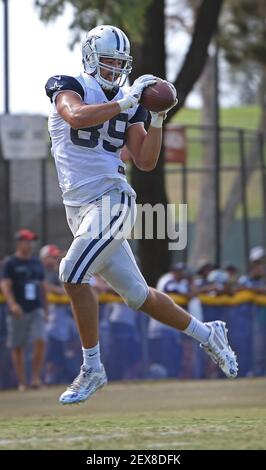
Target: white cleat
83,386
218,348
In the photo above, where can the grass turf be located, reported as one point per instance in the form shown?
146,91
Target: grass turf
219,414
246,117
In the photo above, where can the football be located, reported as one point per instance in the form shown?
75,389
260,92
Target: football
158,97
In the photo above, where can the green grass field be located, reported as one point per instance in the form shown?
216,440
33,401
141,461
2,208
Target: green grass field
146,415
246,117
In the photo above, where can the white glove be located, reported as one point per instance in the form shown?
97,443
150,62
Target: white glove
144,78
158,118
133,96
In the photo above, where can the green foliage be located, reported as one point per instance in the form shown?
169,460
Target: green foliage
129,15
243,32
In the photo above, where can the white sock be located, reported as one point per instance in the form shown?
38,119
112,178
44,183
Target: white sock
91,357
198,330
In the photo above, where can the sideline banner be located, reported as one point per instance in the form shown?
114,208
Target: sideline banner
23,137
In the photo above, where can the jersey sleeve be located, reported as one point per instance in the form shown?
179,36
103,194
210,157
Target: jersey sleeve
8,270
139,117
59,83
42,273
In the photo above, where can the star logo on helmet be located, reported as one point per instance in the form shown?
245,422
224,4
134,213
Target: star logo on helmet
56,86
92,39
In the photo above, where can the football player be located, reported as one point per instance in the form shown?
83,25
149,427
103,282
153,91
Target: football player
91,119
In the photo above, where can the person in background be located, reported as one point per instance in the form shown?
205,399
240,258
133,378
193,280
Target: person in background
50,258
57,326
165,343
232,272
257,253
100,286
7,379
23,287
219,284
201,282
124,351
256,277
253,328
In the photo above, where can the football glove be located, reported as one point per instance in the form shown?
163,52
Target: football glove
134,93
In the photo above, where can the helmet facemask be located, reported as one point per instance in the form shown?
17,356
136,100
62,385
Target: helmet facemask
119,74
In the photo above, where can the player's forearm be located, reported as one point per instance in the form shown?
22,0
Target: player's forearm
150,149
83,116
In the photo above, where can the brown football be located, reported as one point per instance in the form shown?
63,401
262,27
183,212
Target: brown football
158,97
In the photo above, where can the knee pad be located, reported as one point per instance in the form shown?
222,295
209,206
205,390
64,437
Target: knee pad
136,294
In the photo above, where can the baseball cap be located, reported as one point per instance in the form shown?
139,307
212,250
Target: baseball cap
25,234
256,253
178,266
218,276
49,250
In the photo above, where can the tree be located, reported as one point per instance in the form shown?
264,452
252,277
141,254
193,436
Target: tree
244,42
146,26
127,15
150,187
242,39
204,240
244,31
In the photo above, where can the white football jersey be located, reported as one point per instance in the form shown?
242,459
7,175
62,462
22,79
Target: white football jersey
88,160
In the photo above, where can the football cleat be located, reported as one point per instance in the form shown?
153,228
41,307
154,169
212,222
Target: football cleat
218,348
84,385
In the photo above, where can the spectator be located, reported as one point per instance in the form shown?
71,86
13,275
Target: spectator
125,351
101,287
59,316
257,253
164,342
50,257
22,285
218,280
256,277
232,272
7,378
1,266
202,283
204,269
61,333
175,281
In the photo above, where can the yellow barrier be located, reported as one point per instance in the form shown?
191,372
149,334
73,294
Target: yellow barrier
219,300
238,298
